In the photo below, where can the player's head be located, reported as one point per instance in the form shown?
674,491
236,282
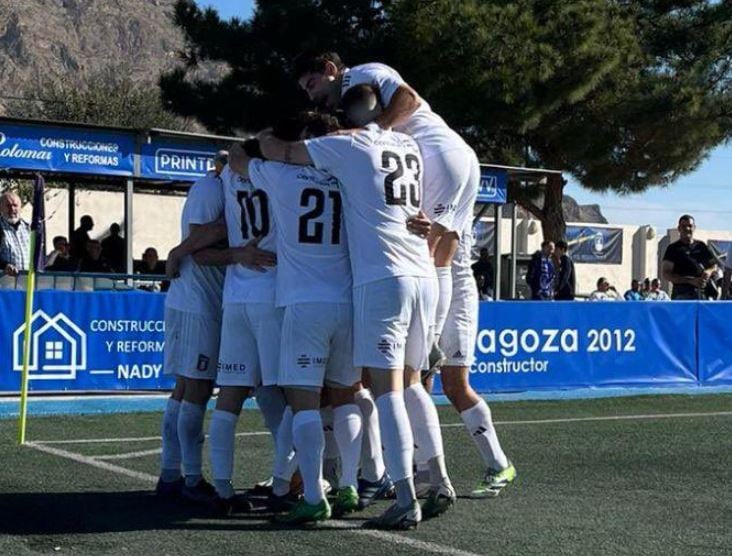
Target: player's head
305,125
220,160
318,75
362,104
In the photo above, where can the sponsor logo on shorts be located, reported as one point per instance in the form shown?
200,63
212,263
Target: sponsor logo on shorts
442,209
308,361
232,367
203,363
303,361
386,345
457,354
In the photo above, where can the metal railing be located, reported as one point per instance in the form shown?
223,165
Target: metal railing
84,281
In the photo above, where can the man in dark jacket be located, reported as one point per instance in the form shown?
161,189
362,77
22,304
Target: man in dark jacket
567,280
688,263
541,274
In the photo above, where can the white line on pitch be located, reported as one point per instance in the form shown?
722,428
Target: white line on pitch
129,455
448,425
383,536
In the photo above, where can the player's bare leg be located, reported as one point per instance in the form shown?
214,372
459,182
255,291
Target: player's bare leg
443,246
222,435
196,394
170,482
347,430
427,433
388,388
309,441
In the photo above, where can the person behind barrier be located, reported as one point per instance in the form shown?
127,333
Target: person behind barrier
14,236
634,293
93,261
604,291
542,272
655,293
567,278
59,259
727,279
483,273
80,236
689,264
113,249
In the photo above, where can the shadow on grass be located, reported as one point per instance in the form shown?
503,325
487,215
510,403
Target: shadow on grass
56,513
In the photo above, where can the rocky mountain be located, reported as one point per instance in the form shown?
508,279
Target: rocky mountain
62,39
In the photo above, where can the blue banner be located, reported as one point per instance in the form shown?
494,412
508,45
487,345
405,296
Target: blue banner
715,343
66,149
85,341
544,345
720,249
589,244
174,159
493,186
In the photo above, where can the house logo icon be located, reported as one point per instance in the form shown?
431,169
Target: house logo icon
57,348
488,186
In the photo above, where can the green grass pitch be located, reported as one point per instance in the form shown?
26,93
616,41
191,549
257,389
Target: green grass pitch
589,483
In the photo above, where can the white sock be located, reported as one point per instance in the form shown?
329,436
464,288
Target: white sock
396,434
426,429
372,456
307,432
444,280
271,402
479,423
331,455
190,434
284,454
221,450
347,429
170,456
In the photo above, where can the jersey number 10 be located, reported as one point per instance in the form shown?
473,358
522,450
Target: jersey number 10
254,213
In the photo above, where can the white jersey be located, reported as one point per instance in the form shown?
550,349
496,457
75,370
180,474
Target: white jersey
381,182
248,216
431,132
198,289
312,255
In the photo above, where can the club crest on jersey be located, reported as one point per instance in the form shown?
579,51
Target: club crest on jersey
203,362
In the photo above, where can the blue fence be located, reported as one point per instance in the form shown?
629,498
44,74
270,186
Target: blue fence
114,340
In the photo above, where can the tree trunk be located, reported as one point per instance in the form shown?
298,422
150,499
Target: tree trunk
552,222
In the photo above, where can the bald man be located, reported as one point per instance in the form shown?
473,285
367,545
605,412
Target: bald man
14,236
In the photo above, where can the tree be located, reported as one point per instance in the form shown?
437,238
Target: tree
107,97
622,95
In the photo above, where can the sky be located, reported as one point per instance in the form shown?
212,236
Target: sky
706,193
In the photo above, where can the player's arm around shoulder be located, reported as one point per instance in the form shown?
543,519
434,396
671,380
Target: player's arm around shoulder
404,102
283,151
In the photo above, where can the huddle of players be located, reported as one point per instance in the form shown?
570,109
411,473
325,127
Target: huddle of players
335,278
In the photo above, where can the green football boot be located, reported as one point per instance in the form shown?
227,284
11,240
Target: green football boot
306,513
494,482
346,501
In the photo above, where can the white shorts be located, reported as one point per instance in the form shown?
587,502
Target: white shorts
392,322
451,183
250,345
191,345
317,345
461,325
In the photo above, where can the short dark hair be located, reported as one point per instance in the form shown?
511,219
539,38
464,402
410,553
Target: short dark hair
687,217
600,280
87,218
150,249
358,94
546,242
314,124
59,239
310,62
561,244
114,228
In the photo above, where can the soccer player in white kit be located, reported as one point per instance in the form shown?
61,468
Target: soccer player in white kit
314,286
451,181
192,327
394,285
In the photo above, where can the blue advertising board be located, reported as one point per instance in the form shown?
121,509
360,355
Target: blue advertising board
545,345
715,343
66,149
493,186
85,341
174,159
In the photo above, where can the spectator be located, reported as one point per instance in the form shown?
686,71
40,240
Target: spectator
540,276
566,280
93,260
80,236
14,236
220,160
484,293
483,273
60,259
689,264
646,288
604,292
656,293
634,293
150,263
113,249
727,279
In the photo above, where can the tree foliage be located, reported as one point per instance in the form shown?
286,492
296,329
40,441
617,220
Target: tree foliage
623,95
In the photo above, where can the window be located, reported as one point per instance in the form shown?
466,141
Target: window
54,351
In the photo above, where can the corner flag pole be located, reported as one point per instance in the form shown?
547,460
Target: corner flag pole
29,290
36,251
